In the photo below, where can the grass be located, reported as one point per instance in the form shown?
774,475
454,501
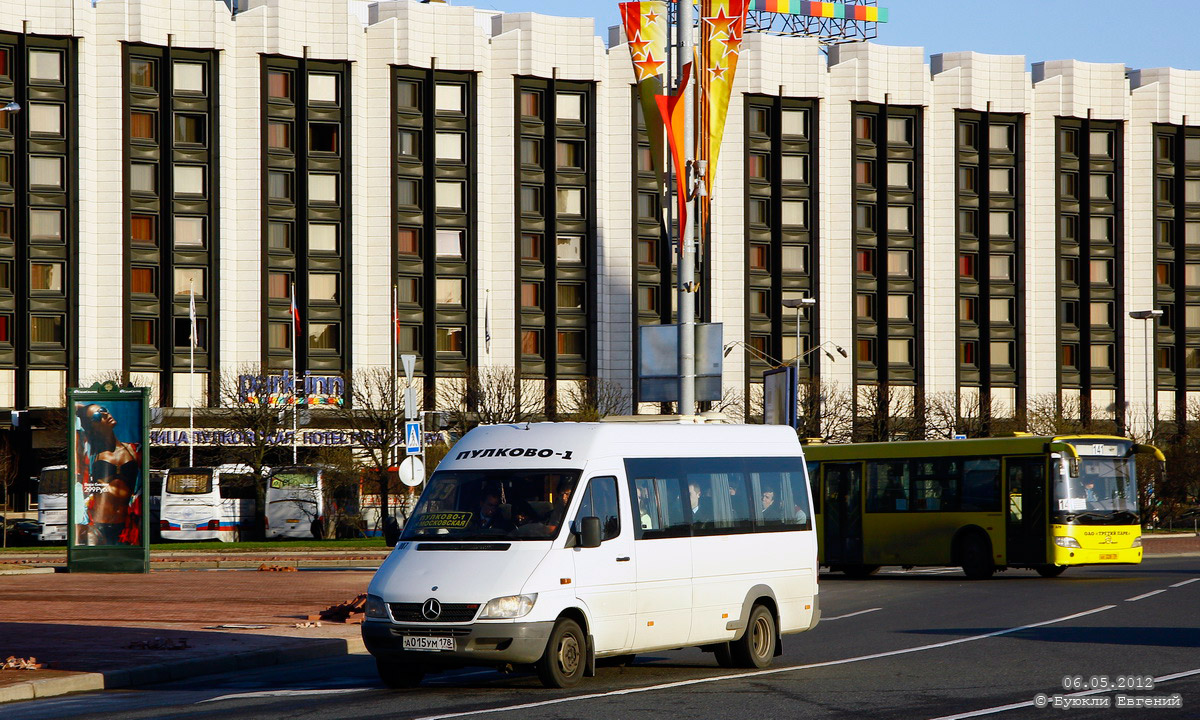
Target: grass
237,547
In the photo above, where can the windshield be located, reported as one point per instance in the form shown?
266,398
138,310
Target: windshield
1105,490
194,482
294,479
53,481
492,504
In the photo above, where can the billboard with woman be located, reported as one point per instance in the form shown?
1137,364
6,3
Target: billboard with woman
108,498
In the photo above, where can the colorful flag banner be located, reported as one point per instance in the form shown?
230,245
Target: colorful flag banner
722,23
646,29
672,108
295,311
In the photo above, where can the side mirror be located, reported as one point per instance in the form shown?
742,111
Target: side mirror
589,532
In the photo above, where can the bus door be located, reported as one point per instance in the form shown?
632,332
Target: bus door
843,533
1025,516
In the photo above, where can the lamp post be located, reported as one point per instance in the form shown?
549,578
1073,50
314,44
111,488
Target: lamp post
11,107
800,304
1148,317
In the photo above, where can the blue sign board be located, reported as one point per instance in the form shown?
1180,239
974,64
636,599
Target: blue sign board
412,437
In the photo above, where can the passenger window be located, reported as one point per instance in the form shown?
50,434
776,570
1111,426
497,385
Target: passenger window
600,500
717,495
887,489
981,485
658,500
814,480
778,488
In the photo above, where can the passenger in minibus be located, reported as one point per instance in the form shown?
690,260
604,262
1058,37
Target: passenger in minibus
489,510
701,506
771,510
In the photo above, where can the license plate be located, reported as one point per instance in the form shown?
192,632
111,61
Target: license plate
293,520
187,526
428,644
1108,556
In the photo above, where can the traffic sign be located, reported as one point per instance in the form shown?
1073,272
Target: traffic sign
412,471
412,437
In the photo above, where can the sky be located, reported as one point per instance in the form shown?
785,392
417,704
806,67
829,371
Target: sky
1160,33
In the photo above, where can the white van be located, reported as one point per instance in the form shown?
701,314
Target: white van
295,500
551,545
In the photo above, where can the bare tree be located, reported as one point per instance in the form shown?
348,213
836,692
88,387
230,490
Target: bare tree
488,396
825,411
896,413
259,421
1048,414
376,420
9,471
590,399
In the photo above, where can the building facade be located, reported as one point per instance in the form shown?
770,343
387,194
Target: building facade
968,227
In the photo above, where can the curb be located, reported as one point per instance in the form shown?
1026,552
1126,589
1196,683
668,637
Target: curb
179,670
27,571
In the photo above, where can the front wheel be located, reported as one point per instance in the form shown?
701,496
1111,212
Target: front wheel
399,676
562,665
977,558
1049,571
756,646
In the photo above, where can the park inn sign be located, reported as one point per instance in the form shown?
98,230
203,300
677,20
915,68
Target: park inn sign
289,389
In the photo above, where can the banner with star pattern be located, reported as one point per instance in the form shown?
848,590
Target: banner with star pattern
722,23
646,30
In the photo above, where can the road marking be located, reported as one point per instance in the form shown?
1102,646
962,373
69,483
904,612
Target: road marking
760,673
1185,582
287,693
1145,595
841,617
1029,703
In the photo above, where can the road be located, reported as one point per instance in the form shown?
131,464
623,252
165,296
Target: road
918,644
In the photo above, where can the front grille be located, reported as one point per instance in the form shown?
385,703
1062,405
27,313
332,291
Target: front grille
431,631
451,612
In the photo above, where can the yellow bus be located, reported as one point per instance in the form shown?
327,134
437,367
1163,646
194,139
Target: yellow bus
993,503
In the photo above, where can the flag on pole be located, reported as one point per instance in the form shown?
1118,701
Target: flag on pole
195,336
646,30
295,311
672,109
487,321
722,23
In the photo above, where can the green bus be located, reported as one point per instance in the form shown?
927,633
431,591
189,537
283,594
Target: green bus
986,504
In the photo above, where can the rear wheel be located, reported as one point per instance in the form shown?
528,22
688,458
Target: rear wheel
397,675
860,571
724,655
756,646
976,554
1049,571
563,663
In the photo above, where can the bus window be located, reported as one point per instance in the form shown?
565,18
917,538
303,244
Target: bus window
981,485
193,483
655,487
887,489
814,479
240,486
782,499
600,500
719,481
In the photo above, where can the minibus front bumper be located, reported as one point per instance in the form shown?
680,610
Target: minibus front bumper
516,643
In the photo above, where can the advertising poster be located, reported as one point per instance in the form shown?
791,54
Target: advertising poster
109,487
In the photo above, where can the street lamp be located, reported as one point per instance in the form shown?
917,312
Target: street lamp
1151,402
11,107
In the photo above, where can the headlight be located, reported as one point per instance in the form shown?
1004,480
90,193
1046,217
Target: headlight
1067,542
513,606
1137,541
376,609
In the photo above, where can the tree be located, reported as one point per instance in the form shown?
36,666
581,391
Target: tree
825,411
489,396
894,413
376,419
591,399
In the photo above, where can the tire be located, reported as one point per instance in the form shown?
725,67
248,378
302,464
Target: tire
724,655
1050,571
756,646
399,676
860,571
976,555
565,659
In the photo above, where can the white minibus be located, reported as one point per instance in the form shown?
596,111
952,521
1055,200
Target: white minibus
552,545
200,503
295,503
52,503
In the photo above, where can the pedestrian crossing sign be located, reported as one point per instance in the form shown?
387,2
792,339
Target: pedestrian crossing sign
412,437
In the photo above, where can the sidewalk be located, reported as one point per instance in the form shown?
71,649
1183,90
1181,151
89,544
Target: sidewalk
101,631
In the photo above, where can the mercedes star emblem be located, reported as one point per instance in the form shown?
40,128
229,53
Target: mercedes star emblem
432,609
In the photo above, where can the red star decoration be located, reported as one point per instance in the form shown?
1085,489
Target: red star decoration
648,68
637,46
717,73
733,46
722,23
651,17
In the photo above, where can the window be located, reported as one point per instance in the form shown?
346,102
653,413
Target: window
46,277
1164,148
570,296
899,174
864,218
1100,143
864,172
187,279
647,206
794,122
190,129
647,252
968,134
1001,353
324,137
1163,272
1191,150
408,290
531,152
183,333
448,98
569,249
648,299
279,186
1070,313
408,95
967,308
1102,357
408,192
759,302
1069,185
756,166
45,119
448,194
322,88
279,84
408,241
45,172
758,121
279,236
189,231
1191,274
531,200
531,104
46,225
570,201
45,66
1000,267
1000,137
141,332
569,107
600,501
1069,228
899,307
1191,191
899,351
1100,271
1000,181
189,179
899,263
795,213
968,223
323,237
188,77
900,218
323,287
142,179
645,160
760,255
570,154
450,243
570,342
1191,233
531,295
279,336
794,259
1068,141
449,291
968,179
452,340
1164,190
279,286
1068,269
1100,186
967,353
448,147
141,73
759,212
322,188
46,329
1101,227
1000,310
966,265
1101,314
899,130
5,322
864,306
980,485
408,144
324,336
864,127
142,230
793,168
531,343
531,247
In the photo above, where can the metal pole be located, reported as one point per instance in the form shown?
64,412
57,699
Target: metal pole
687,249
295,380
1151,401
192,377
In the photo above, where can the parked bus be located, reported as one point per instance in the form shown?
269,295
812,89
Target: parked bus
208,503
52,503
400,500
556,544
1044,503
295,503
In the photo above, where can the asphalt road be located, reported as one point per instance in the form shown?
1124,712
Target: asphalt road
919,644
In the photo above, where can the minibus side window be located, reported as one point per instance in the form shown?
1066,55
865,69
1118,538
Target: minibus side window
722,504
779,493
658,498
600,500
